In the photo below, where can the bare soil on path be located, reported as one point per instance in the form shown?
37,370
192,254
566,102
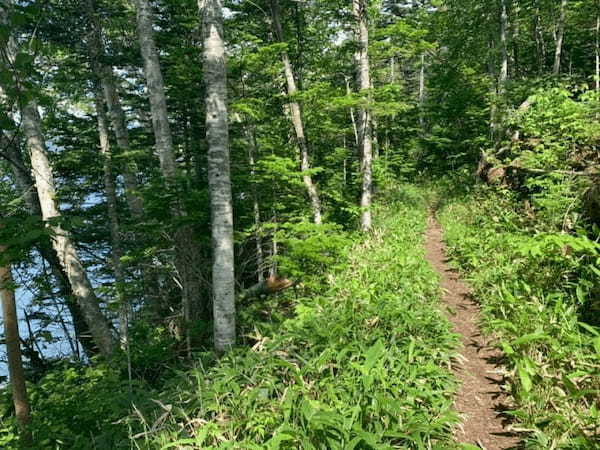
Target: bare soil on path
480,400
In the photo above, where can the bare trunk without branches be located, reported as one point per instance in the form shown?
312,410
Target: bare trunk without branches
359,9
26,186
117,116
186,254
13,351
61,240
219,176
156,89
297,121
560,34
113,219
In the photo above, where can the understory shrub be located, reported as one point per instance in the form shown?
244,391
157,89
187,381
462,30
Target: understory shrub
362,363
538,286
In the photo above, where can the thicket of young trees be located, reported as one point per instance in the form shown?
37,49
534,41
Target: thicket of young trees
164,161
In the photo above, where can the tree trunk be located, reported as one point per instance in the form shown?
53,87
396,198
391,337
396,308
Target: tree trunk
422,94
186,258
13,350
359,9
560,34
61,240
597,55
26,185
357,139
113,219
539,38
503,76
499,99
156,89
296,115
252,151
117,116
219,177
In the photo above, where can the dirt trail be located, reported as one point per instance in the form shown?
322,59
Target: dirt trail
480,400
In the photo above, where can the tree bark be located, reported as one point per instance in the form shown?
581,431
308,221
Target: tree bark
353,116
26,185
597,55
503,76
219,177
61,240
359,9
560,33
297,121
539,37
422,94
13,350
113,220
156,89
252,151
186,255
117,116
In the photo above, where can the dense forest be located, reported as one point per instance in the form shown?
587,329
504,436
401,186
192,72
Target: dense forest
220,222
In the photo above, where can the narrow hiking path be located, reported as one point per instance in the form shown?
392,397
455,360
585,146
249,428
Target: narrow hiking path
479,400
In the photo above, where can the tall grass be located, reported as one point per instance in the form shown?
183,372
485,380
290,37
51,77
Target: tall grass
361,363
538,290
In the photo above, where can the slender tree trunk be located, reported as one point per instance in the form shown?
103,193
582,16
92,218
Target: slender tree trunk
597,55
560,34
156,89
503,76
296,115
498,108
113,219
422,94
515,30
359,9
13,351
26,185
117,116
186,258
61,240
539,38
219,177
252,152
357,138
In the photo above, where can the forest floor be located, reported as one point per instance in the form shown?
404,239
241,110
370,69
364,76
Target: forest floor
480,400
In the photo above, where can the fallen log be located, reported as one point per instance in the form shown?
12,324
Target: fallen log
269,286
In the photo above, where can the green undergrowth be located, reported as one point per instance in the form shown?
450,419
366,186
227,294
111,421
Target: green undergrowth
539,294
362,363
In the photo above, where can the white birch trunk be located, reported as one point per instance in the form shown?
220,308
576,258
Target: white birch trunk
117,115
560,34
156,89
353,117
422,94
359,9
61,240
503,76
113,219
219,177
186,254
297,121
597,55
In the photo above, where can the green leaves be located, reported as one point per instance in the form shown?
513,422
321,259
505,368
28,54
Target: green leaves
359,362
536,288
